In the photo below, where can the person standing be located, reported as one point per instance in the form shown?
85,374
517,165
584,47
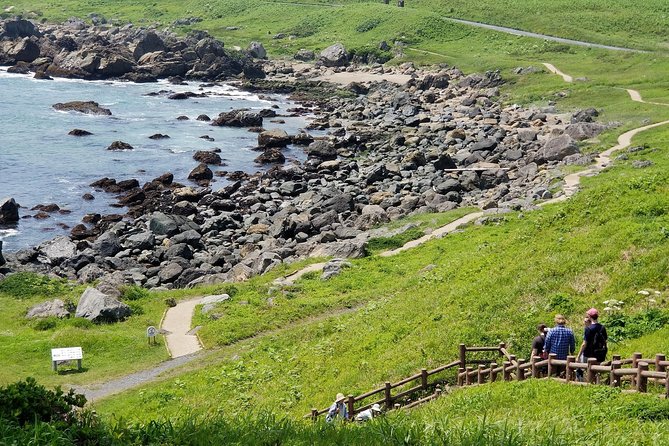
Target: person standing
337,409
595,339
368,414
538,342
560,340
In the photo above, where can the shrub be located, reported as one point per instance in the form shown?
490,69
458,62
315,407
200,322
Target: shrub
27,402
367,25
621,326
45,324
25,285
134,292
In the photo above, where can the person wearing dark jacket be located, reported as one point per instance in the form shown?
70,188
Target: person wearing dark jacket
595,339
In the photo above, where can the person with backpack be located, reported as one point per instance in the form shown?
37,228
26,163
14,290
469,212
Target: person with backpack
594,339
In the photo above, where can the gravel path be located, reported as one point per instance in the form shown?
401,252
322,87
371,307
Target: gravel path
517,32
554,70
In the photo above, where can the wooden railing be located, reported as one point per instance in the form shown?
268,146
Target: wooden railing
634,373
384,395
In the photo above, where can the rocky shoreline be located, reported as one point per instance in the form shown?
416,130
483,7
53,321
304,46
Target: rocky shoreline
440,140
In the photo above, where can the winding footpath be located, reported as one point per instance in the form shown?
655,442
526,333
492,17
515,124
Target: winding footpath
184,346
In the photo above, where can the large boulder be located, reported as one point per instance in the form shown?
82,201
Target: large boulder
161,224
57,250
149,43
52,308
238,118
257,50
114,65
108,244
99,307
18,28
334,267
584,130
342,249
9,211
273,138
25,50
372,215
556,149
334,56
87,107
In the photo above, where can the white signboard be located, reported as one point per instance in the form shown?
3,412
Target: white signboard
66,354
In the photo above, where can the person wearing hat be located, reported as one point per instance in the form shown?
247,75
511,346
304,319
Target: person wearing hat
368,414
594,338
337,409
560,340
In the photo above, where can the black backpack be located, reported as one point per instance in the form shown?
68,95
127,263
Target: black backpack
599,347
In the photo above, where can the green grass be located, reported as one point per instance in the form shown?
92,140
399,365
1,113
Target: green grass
512,414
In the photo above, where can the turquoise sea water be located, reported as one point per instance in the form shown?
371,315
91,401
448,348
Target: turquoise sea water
40,163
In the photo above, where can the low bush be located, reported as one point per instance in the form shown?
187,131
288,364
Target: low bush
26,285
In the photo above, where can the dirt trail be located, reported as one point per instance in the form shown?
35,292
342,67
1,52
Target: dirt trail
636,97
178,322
553,69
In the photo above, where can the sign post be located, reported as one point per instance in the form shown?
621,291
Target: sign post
151,333
61,355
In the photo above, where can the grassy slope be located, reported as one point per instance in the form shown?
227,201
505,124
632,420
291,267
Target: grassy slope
109,349
488,284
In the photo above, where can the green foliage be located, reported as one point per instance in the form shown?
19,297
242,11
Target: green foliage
45,324
560,303
620,326
134,292
26,285
367,25
26,402
648,410
378,244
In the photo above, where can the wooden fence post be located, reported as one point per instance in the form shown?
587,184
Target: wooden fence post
551,358
568,374
590,374
461,377
520,373
501,346
641,381
479,375
389,398
535,369
468,376
506,372
314,414
614,358
658,367
635,363
423,378
666,384
614,380
463,356
351,409
493,372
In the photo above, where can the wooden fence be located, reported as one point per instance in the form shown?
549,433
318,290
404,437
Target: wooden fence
634,373
424,381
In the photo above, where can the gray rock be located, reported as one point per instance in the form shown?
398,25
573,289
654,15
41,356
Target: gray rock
89,273
9,211
190,237
52,308
334,267
266,261
257,50
143,240
161,224
86,107
2,259
273,138
170,272
57,250
304,55
641,164
372,215
334,56
209,302
108,244
19,28
181,250
99,307
558,148
584,130
149,43
344,249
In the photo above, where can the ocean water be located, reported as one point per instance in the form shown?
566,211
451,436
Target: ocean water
41,164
